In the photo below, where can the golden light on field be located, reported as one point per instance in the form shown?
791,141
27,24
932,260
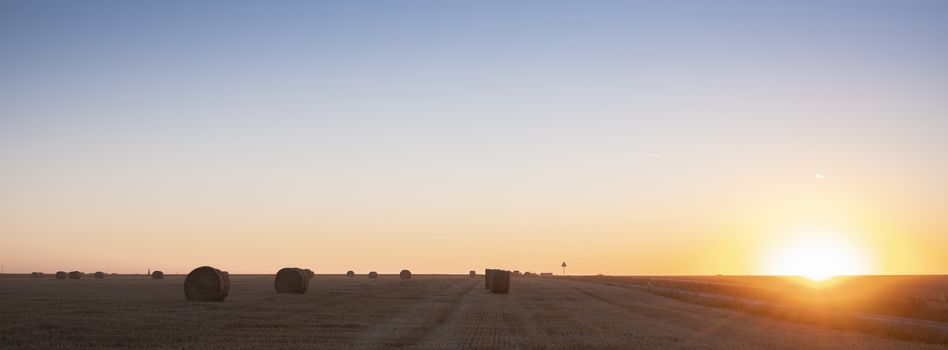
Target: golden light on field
817,256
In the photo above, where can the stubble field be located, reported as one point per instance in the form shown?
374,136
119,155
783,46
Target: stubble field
425,312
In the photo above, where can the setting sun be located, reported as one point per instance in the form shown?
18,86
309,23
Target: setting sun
817,256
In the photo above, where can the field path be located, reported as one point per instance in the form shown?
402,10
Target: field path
485,320
416,322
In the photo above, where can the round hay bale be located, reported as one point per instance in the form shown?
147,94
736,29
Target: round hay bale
291,280
36,275
157,275
473,273
405,275
99,275
350,273
500,282
61,275
227,286
373,275
206,284
309,273
74,275
487,273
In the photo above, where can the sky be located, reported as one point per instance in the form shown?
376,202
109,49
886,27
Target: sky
627,137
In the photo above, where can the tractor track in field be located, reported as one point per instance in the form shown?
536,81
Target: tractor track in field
420,335
417,322
482,319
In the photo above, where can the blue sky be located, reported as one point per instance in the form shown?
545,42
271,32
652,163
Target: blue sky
119,108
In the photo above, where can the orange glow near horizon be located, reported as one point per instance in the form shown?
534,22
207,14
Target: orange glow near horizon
817,256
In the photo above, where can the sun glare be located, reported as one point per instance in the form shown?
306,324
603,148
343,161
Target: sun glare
817,256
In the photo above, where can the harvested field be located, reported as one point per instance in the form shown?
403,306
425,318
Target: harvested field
431,312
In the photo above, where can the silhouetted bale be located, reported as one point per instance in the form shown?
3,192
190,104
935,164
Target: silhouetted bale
61,275
309,273
500,282
227,277
405,275
529,274
37,275
473,273
74,275
99,275
487,273
157,275
206,284
291,280
350,273
373,275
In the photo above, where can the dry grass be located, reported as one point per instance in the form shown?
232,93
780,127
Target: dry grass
431,312
920,297
892,306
